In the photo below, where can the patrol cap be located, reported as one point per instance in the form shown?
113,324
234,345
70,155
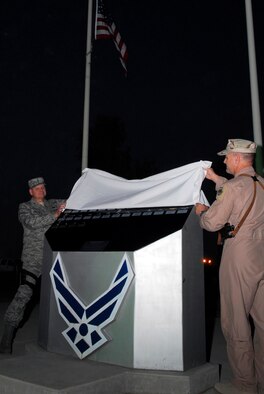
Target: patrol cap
239,146
35,182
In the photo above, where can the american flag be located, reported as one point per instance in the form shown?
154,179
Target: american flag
105,28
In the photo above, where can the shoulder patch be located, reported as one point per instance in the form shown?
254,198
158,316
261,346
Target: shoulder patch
220,193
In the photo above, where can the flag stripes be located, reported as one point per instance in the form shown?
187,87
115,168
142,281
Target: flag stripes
105,28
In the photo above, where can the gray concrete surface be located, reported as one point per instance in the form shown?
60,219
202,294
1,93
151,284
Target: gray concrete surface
32,370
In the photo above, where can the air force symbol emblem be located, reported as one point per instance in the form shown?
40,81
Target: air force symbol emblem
86,322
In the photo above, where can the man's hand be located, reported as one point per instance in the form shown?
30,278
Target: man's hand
199,208
211,175
60,209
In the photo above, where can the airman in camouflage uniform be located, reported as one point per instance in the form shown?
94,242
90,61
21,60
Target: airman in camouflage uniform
36,216
241,275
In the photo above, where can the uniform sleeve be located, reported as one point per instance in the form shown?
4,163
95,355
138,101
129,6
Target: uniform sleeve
54,203
33,220
220,182
219,212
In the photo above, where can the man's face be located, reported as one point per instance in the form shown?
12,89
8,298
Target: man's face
38,192
230,162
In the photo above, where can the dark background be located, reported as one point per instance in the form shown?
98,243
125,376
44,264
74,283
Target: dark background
187,92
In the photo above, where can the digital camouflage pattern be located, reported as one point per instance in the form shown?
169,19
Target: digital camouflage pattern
35,219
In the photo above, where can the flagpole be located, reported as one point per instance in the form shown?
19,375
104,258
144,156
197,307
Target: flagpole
86,111
254,87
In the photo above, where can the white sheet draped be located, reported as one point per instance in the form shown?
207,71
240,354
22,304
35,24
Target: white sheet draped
97,189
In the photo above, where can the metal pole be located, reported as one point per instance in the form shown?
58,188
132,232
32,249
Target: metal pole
254,87
87,87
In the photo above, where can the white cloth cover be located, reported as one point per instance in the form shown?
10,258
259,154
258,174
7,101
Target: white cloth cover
97,189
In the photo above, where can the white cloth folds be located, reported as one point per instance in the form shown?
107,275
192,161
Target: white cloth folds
97,189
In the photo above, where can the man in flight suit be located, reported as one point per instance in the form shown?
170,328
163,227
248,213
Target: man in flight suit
241,275
36,216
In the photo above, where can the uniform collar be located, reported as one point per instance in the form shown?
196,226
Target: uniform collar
36,203
248,170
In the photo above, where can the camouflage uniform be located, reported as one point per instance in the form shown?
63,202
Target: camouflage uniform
241,275
35,219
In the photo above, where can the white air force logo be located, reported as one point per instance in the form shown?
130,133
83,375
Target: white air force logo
86,322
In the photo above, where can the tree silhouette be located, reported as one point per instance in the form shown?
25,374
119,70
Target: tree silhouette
107,150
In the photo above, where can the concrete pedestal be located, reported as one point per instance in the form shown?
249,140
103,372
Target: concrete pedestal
160,322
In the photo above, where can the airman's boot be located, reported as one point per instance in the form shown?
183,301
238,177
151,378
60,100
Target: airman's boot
7,339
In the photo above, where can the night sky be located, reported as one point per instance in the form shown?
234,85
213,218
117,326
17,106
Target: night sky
187,92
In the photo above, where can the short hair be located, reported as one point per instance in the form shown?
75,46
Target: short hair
248,157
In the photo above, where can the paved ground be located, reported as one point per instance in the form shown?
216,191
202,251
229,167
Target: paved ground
26,338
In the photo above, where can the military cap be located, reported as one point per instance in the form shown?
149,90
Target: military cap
35,182
239,146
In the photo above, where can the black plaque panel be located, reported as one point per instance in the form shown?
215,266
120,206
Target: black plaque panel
115,229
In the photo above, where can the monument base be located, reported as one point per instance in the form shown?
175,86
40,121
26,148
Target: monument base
62,374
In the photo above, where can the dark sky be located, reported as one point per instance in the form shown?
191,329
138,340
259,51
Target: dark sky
186,92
